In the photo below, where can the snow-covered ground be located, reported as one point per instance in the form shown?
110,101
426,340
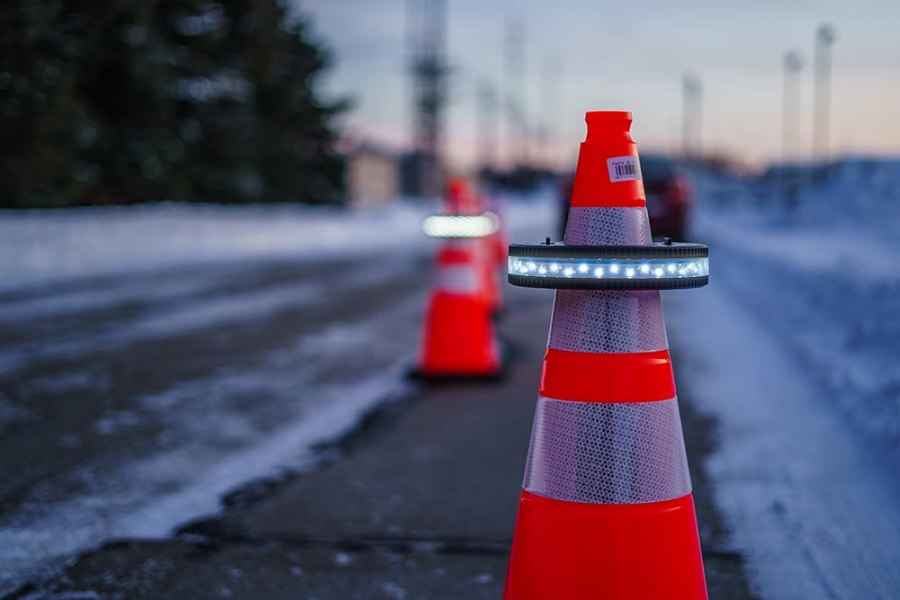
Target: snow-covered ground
828,277
84,292
51,245
794,349
40,246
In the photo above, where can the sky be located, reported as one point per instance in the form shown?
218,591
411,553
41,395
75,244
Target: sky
584,55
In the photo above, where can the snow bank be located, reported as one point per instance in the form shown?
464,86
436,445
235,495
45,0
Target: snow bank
794,350
49,245
41,246
809,505
827,278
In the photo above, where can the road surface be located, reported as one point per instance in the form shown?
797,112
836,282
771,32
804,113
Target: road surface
131,403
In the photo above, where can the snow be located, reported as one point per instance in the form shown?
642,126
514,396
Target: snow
45,246
42,246
793,350
827,276
813,509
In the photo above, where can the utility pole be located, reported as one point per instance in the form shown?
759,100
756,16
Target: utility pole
790,129
825,37
487,124
548,109
692,91
790,147
428,65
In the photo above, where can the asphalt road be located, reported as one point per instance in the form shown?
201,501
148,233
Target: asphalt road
222,432
118,393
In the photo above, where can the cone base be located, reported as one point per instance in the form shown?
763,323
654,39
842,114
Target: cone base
436,377
568,550
459,339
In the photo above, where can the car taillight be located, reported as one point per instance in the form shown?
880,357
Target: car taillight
679,192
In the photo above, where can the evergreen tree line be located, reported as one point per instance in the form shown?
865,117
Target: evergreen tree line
126,101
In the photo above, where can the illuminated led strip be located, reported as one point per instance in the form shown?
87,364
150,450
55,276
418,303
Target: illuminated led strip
609,267
616,453
638,268
461,226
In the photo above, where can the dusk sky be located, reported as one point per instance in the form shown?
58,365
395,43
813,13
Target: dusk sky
628,56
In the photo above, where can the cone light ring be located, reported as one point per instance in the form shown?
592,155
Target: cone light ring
665,266
461,226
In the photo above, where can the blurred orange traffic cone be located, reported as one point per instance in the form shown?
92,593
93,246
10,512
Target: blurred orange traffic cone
606,509
500,239
462,200
490,283
491,258
459,198
458,340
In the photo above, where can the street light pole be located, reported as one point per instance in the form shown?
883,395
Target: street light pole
790,151
825,37
692,89
487,125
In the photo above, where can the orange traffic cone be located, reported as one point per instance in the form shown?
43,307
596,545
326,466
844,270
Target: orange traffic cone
459,337
487,267
460,198
499,238
606,509
490,258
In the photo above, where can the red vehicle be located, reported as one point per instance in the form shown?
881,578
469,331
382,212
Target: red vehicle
669,197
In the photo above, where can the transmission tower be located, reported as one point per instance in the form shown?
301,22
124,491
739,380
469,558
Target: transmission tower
426,22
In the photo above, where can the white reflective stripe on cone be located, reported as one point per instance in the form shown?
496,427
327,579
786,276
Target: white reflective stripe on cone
460,279
607,226
608,321
607,453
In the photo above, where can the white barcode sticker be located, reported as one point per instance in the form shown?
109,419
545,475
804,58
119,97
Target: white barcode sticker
624,168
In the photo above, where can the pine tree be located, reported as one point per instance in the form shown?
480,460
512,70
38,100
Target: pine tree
143,100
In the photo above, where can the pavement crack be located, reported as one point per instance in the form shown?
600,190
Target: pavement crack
213,535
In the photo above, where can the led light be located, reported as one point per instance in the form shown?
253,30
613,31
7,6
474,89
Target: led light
669,266
609,268
460,226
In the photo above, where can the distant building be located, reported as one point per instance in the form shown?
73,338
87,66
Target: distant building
420,177
372,176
